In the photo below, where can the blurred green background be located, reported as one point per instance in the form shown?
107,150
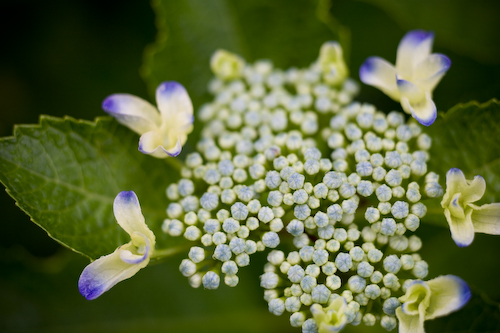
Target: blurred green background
63,57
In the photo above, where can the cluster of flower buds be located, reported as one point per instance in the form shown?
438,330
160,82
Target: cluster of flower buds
329,187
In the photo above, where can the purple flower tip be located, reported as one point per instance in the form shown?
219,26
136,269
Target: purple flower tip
109,105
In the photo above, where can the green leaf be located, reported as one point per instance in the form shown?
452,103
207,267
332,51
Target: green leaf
65,174
290,34
466,27
466,137
480,315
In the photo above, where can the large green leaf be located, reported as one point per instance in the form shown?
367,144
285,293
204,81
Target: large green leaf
466,137
190,31
65,174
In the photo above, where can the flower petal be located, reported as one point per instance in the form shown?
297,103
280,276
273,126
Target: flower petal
424,112
415,46
455,209
409,323
410,90
455,180
227,65
462,230
150,142
140,241
430,71
129,216
486,218
175,150
174,103
332,62
474,190
449,293
379,73
102,274
133,112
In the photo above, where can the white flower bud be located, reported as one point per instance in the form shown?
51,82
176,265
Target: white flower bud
420,269
292,304
356,284
320,294
265,214
187,267
392,264
277,306
388,227
175,228
313,270
390,305
333,282
388,323
407,262
211,280
391,281
302,211
270,239
398,243
375,255
206,240
300,197
196,254
343,261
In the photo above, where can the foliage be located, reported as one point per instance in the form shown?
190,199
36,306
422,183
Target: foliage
65,174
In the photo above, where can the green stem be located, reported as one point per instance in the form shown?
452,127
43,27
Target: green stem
164,253
175,163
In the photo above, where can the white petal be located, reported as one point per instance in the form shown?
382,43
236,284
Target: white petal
449,293
474,190
139,241
175,150
409,323
430,71
102,274
415,46
129,216
455,209
379,73
173,101
486,218
410,90
462,230
133,112
455,180
150,142
424,112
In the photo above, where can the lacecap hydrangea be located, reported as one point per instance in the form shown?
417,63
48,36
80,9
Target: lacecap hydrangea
330,188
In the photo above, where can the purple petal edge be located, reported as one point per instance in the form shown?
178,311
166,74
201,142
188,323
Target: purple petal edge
169,88
426,122
127,197
465,292
366,69
89,286
417,36
109,105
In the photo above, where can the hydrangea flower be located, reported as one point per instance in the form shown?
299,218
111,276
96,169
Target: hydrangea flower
412,80
462,215
227,65
331,61
332,318
162,133
102,274
432,299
